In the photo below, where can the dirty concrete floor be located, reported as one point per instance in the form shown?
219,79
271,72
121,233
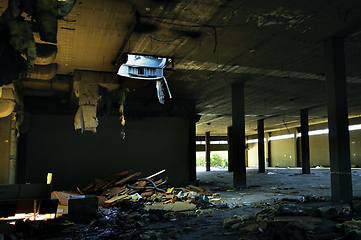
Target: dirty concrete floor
277,185
274,183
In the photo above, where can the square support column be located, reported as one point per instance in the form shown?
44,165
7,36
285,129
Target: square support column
5,136
230,149
239,149
339,141
192,143
305,142
260,129
208,151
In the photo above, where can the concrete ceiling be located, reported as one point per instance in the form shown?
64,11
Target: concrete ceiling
275,47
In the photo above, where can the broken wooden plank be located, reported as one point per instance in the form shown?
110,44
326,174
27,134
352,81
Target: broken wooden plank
116,175
111,192
99,184
126,178
147,193
64,196
118,198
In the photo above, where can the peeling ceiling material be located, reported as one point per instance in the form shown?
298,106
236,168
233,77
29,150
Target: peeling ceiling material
86,116
47,19
8,100
282,16
16,27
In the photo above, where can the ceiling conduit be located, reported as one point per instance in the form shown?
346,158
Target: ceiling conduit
45,53
44,72
41,88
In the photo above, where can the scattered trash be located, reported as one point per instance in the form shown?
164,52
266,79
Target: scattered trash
321,187
270,173
281,188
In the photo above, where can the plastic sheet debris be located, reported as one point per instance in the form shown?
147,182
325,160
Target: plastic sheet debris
271,173
281,188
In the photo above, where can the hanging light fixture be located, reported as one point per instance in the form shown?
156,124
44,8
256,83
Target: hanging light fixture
147,68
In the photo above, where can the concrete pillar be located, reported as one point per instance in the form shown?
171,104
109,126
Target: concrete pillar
305,142
208,151
192,144
239,156
230,149
295,147
260,129
13,149
339,141
5,139
267,150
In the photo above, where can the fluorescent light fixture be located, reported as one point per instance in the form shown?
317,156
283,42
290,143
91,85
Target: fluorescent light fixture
318,132
286,136
146,68
255,140
354,127
325,131
212,142
252,141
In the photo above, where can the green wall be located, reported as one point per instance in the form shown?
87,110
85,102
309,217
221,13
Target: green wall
319,150
282,153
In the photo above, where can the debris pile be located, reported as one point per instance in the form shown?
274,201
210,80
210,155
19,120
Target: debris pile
126,186
283,220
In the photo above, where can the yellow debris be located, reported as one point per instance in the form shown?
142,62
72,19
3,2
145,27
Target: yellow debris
170,190
214,199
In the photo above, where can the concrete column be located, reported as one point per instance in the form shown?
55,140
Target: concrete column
230,149
5,139
208,151
239,156
192,144
260,129
305,142
13,149
268,135
339,141
266,149
295,147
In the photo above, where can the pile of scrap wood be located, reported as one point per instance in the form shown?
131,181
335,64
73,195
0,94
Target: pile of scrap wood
125,185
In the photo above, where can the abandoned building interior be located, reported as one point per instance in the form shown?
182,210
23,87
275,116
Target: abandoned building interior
93,88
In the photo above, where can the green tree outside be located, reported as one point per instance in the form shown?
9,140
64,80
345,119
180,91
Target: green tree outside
216,160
